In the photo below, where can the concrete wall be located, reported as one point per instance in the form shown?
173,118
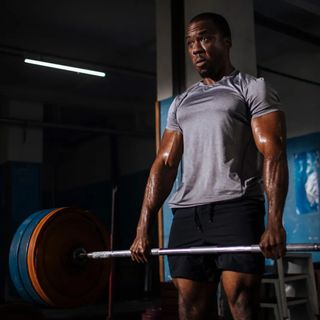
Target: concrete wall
301,100
85,164
90,162
21,143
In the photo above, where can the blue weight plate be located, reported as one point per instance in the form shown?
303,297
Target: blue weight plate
22,256
13,258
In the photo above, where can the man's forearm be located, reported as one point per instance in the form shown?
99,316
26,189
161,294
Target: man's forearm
158,187
276,185
270,137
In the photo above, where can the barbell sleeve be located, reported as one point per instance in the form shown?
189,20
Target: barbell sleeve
294,247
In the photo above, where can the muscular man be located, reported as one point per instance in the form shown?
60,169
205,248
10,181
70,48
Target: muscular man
231,134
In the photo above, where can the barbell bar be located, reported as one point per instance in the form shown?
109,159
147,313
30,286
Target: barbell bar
293,247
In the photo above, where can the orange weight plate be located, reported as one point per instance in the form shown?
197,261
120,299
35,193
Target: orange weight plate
56,277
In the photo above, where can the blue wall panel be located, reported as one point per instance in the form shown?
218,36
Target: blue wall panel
302,214
167,213
26,194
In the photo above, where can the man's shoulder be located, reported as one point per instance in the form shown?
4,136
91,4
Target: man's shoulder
190,89
180,97
245,82
245,77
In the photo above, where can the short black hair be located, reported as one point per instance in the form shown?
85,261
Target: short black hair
218,20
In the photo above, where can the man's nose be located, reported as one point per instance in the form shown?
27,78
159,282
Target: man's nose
197,48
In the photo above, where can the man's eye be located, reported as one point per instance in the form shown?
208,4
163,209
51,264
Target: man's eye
190,43
204,39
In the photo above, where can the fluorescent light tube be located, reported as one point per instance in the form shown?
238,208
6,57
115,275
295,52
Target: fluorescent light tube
64,67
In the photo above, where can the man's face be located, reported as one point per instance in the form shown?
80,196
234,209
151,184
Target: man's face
207,48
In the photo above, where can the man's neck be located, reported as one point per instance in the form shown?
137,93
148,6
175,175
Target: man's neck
224,72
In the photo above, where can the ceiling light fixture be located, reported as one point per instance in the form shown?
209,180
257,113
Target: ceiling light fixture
64,67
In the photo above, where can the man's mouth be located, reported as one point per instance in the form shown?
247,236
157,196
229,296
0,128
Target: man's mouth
200,62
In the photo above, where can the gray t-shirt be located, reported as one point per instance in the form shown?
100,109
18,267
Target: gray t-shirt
220,158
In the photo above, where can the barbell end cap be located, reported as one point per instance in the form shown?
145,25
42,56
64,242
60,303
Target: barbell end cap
155,252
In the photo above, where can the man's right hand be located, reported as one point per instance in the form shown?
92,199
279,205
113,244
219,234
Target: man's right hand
140,248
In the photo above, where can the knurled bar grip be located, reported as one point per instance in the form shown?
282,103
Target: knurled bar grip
301,247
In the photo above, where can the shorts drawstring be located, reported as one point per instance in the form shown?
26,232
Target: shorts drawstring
197,220
211,213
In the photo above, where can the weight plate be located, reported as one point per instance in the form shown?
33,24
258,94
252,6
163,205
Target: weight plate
56,278
23,254
13,258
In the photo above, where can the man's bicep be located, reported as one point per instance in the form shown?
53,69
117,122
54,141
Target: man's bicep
171,148
269,132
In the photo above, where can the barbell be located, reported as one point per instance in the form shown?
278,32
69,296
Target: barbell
51,259
294,247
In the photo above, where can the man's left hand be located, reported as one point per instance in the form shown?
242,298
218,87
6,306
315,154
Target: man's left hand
273,242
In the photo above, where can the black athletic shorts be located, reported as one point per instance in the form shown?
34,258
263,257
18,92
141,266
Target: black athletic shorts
229,223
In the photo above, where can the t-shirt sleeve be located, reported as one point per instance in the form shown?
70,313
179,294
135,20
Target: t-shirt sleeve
261,98
172,122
